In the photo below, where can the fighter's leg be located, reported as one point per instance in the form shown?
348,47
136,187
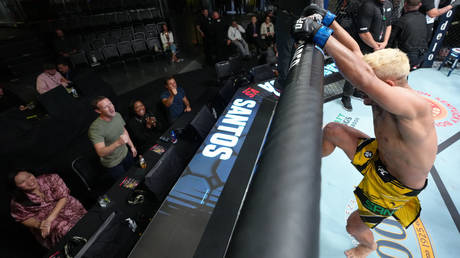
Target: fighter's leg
342,136
362,233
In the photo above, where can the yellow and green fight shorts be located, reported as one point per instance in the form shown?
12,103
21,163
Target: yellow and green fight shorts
380,195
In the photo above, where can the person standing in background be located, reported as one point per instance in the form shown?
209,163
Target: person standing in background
409,33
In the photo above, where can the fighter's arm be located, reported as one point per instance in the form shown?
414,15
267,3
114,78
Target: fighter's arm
396,100
346,39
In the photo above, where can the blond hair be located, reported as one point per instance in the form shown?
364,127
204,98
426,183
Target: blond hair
389,63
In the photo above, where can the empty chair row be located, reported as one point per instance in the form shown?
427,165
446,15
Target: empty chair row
143,16
111,52
148,29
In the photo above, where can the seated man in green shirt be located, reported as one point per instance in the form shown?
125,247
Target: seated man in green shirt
109,136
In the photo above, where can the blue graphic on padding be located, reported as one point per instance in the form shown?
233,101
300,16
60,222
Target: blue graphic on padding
330,69
202,182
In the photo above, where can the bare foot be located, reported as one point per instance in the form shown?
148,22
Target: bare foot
360,251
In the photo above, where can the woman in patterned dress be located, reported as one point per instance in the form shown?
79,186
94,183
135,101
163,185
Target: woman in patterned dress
44,205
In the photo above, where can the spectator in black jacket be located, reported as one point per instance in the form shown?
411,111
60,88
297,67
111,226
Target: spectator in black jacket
64,68
374,28
143,126
218,35
202,26
409,33
253,33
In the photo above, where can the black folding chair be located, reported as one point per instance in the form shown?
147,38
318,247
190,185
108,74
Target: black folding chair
79,59
116,33
110,53
150,34
91,175
123,18
154,45
140,48
98,43
151,27
134,15
139,35
145,15
125,49
111,40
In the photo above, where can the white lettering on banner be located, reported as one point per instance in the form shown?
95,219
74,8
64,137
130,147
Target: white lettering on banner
227,136
437,39
212,151
235,120
268,86
297,55
239,111
237,131
444,25
224,139
241,103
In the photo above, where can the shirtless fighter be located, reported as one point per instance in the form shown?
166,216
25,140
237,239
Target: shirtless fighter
395,164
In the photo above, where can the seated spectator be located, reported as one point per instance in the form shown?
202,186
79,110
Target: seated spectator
253,33
143,126
234,34
267,31
167,39
174,99
63,46
44,205
109,137
50,79
64,68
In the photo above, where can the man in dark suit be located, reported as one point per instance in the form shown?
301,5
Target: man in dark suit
218,36
253,33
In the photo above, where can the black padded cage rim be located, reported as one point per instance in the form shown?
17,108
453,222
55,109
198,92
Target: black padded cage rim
280,214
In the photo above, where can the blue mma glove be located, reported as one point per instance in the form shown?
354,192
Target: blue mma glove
327,17
308,29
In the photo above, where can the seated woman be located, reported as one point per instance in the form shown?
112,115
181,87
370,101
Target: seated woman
44,205
167,39
144,127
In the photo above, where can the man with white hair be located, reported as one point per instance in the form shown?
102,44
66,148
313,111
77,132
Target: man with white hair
395,164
